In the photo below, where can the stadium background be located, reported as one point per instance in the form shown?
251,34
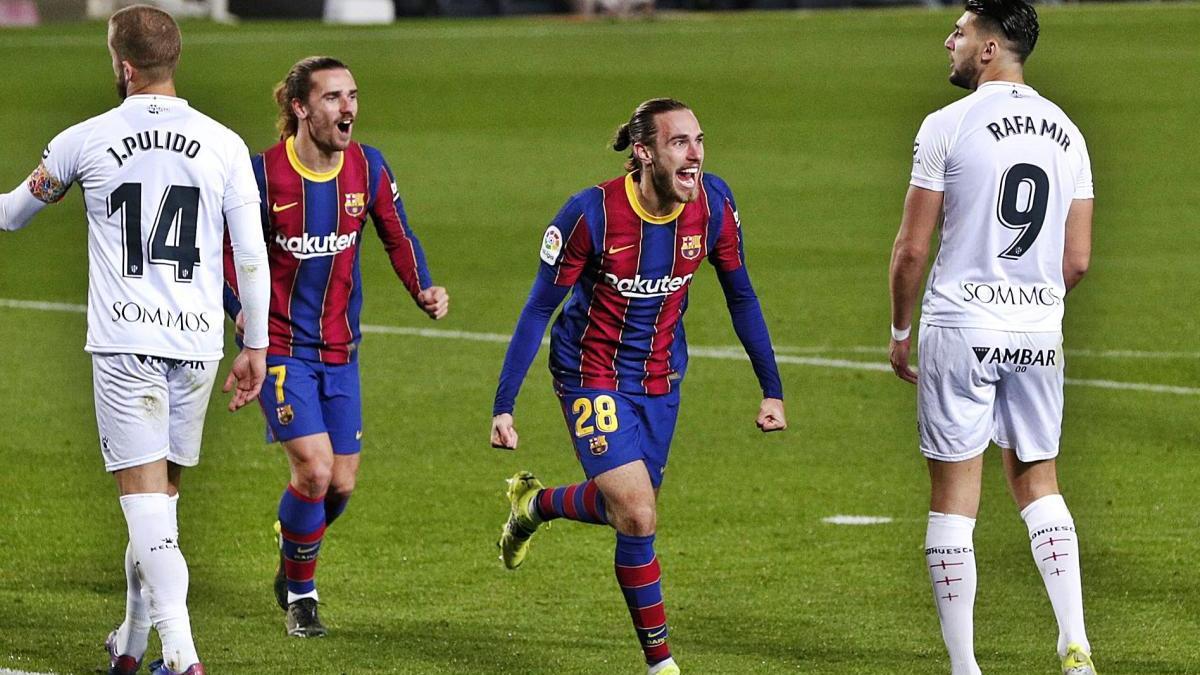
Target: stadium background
490,124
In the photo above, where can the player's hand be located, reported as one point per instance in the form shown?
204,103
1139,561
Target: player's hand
239,325
770,415
898,355
434,301
248,372
504,436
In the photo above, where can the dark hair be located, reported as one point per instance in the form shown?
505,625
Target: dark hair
148,38
297,85
1015,19
641,129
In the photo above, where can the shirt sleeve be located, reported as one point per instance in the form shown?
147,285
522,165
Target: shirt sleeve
727,253
1083,179
566,246
544,298
930,149
391,222
59,167
240,186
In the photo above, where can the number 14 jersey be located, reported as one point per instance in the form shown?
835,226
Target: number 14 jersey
158,177
1009,163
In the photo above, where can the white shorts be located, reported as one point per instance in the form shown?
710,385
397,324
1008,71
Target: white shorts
976,386
149,408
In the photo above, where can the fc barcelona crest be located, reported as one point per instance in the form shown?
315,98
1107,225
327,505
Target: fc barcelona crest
598,445
285,414
690,246
356,203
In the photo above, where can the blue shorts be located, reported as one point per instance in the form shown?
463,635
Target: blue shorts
301,398
611,429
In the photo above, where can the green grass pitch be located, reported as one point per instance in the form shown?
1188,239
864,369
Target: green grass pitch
490,125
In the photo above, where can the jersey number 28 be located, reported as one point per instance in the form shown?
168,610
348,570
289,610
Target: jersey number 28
178,211
1024,191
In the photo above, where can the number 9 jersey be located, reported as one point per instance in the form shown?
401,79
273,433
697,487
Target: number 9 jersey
1009,162
158,177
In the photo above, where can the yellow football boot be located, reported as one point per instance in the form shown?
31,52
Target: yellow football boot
521,523
1077,661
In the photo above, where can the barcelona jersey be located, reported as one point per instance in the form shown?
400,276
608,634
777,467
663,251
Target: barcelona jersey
313,223
622,327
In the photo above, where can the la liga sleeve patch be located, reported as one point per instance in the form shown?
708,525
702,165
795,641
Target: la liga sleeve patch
552,245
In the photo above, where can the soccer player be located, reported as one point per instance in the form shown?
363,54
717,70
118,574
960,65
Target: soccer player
626,251
160,181
318,188
1010,172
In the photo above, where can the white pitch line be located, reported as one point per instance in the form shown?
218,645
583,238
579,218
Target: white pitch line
5,671
732,353
841,519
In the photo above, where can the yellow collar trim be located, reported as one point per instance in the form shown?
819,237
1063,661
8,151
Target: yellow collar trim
631,192
316,177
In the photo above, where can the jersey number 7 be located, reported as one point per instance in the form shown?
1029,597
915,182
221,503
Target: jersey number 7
178,209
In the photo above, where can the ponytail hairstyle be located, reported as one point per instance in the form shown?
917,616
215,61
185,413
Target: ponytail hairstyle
297,85
640,128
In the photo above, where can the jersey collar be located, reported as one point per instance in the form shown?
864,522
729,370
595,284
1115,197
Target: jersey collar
304,171
142,98
1005,83
632,195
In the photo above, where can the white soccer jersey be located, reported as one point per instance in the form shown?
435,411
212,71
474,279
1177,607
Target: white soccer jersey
1009,162
157,177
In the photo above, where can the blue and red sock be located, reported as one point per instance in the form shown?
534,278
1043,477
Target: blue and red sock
335,503
581,502
302,525
640,578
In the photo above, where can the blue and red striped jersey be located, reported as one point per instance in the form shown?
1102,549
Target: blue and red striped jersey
313,223
622,327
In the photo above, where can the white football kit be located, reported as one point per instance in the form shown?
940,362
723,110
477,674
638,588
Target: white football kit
159,181
1009,163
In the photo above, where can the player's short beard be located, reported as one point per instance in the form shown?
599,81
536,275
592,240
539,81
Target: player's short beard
965,76
664,186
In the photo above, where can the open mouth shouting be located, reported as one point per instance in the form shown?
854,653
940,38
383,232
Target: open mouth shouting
687,177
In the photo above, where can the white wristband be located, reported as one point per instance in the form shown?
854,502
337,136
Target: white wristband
901,335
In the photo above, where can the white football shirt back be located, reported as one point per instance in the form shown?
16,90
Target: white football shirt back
157,178
1009,163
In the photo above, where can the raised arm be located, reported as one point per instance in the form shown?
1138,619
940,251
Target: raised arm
402,246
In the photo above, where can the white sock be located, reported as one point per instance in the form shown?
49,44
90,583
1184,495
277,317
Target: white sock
292,597
950,555
134,632
164,574
1055,549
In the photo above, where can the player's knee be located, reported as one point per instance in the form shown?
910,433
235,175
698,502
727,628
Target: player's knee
313,478
639,520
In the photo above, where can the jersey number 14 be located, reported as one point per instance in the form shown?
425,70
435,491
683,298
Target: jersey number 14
1024,191
178,211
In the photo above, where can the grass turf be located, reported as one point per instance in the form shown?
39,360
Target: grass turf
489,126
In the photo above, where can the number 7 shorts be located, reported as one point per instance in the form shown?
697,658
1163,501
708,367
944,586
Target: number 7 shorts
610,428
977,386
302,397
150,408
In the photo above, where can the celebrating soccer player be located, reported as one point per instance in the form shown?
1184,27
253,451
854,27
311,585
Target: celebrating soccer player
318,188
1011,173
160,182
626,251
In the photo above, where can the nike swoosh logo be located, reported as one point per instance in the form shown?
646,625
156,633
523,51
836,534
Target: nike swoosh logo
657,634
305,551
277,208
358,435
613,250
